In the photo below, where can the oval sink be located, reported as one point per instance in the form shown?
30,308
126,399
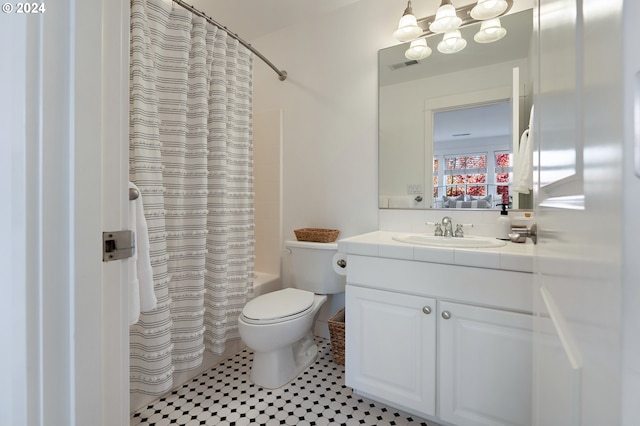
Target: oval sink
461,242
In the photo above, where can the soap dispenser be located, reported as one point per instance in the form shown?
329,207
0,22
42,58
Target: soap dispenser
504,223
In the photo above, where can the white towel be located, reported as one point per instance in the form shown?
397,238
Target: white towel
523,161
142,297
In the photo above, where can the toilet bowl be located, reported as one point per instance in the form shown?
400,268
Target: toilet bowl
278,326
282,341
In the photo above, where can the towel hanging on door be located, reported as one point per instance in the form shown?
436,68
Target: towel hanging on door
142,297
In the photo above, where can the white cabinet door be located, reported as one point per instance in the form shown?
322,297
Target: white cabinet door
390,347
484,366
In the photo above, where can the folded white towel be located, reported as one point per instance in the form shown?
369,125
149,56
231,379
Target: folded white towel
523,161
142,296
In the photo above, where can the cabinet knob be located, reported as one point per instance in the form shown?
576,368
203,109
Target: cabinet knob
446,314
426,310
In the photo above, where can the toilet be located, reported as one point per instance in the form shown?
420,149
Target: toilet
278,326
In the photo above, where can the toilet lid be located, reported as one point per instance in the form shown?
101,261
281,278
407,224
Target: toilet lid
278,304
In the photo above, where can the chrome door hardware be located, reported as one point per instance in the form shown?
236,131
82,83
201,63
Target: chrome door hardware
117,245
426,310
520,234
446,315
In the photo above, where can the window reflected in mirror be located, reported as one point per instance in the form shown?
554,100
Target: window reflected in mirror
472,158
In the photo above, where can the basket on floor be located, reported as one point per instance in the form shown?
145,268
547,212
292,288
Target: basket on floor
316,235
336,333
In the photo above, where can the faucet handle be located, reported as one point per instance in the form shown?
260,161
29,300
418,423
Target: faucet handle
437,231
459,232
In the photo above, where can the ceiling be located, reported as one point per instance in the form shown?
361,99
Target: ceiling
251,19
476,122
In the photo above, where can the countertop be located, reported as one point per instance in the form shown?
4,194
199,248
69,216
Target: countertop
511,257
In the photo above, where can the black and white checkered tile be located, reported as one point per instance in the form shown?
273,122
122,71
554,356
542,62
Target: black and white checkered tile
226,396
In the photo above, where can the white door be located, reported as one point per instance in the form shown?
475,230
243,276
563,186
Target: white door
581,213
631,224
65,94
380,322
484,364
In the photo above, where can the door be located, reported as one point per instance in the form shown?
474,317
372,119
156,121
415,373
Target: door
380,322
578,281
65,87
631,268
484,366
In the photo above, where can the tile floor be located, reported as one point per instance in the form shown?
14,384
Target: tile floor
225,396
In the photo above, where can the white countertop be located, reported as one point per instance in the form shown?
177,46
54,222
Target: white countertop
512,256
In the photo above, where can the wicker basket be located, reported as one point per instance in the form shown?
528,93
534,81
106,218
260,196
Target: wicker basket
336,333
317,235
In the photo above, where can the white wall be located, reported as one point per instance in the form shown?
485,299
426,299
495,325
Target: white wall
267,171
329,104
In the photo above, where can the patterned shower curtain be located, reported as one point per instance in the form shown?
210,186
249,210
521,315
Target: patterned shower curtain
191,155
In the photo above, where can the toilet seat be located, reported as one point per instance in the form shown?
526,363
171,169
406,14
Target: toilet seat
278,306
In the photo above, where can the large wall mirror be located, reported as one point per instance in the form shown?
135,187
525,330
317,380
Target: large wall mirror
450,124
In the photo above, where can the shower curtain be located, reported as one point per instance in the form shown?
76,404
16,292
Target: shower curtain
191,155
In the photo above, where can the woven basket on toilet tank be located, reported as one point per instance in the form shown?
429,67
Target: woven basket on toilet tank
316,235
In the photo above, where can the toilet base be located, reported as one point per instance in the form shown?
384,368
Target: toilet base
276,368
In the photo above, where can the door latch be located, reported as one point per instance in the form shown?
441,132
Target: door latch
118,245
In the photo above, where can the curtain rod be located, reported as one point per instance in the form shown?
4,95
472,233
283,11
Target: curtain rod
282,75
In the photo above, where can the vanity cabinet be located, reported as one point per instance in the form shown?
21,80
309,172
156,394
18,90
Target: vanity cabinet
391,352
445,342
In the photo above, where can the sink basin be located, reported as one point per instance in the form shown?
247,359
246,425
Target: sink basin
453,242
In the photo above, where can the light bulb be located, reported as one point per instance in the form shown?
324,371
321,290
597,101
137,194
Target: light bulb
408,28
488,9
446,19
452,42
490,31
418,50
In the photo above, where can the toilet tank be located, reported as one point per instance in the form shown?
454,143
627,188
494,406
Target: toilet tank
308,266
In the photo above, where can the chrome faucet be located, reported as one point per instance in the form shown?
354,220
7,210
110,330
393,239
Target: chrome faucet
447,224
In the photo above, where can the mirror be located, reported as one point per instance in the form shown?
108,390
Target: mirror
447,126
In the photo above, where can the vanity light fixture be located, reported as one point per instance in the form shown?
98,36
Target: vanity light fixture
408,28
490,31
488,9
448,20
418,50
452,42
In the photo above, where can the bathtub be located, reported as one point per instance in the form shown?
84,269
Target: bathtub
264,282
